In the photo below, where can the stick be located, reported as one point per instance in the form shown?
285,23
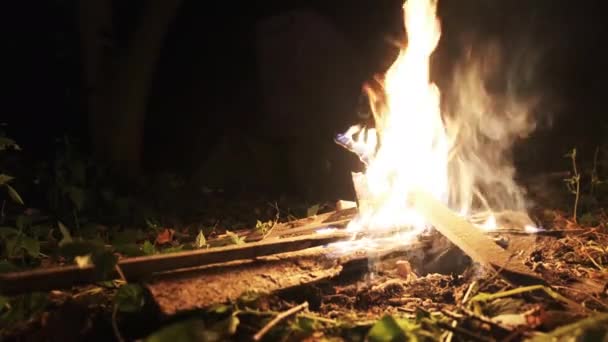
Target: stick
473,242
140,267
278,319
308,225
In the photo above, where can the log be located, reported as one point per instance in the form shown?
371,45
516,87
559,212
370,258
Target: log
474,242
138,268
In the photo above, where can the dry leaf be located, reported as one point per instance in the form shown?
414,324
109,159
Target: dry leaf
83,260
164,237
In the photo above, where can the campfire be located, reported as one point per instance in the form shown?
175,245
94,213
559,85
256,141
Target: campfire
440,226
424,170
414,151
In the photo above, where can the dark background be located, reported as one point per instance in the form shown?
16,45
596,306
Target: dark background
208,83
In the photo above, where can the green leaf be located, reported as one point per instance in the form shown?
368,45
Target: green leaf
193,330
148,248
14,195
152,224
304,324
19,243
7,266
234,238
312,210
4,303
200,240
31,246
7,232
13,247
385,330
129,249
25,307
73,249
23,222
103,259
227,326
129,298
65,232
593,328
128,236
7,142
40,231
172,249
4,179
220,308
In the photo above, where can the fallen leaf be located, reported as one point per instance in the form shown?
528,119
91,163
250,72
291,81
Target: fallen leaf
83,260
200,241
129,298
166,236
234,238
148,248
14,195
65,232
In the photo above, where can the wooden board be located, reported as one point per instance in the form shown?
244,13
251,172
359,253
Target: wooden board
202,287
138,268
473,241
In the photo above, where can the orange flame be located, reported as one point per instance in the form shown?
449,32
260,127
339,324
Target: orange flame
414,148
412,143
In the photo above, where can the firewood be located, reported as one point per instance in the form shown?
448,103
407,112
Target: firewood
140,267
473,242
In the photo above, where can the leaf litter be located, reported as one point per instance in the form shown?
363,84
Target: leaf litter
393,303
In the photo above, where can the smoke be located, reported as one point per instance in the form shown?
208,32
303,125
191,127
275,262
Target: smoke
488,107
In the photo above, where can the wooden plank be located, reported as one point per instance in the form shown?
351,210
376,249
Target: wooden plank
140,267
473,242
202,287
308,225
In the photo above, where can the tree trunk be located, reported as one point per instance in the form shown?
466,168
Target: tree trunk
118,104
95,21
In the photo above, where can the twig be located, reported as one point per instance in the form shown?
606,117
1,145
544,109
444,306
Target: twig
318,318
481,318
456,329
120,273
586,293
258,336
115,325
472,290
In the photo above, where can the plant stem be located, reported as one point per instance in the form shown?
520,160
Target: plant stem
577,180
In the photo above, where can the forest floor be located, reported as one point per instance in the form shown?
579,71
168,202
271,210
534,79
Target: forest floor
387,300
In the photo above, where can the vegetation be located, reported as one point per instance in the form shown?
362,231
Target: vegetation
87,220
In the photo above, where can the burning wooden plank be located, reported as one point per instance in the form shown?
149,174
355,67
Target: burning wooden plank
472,241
